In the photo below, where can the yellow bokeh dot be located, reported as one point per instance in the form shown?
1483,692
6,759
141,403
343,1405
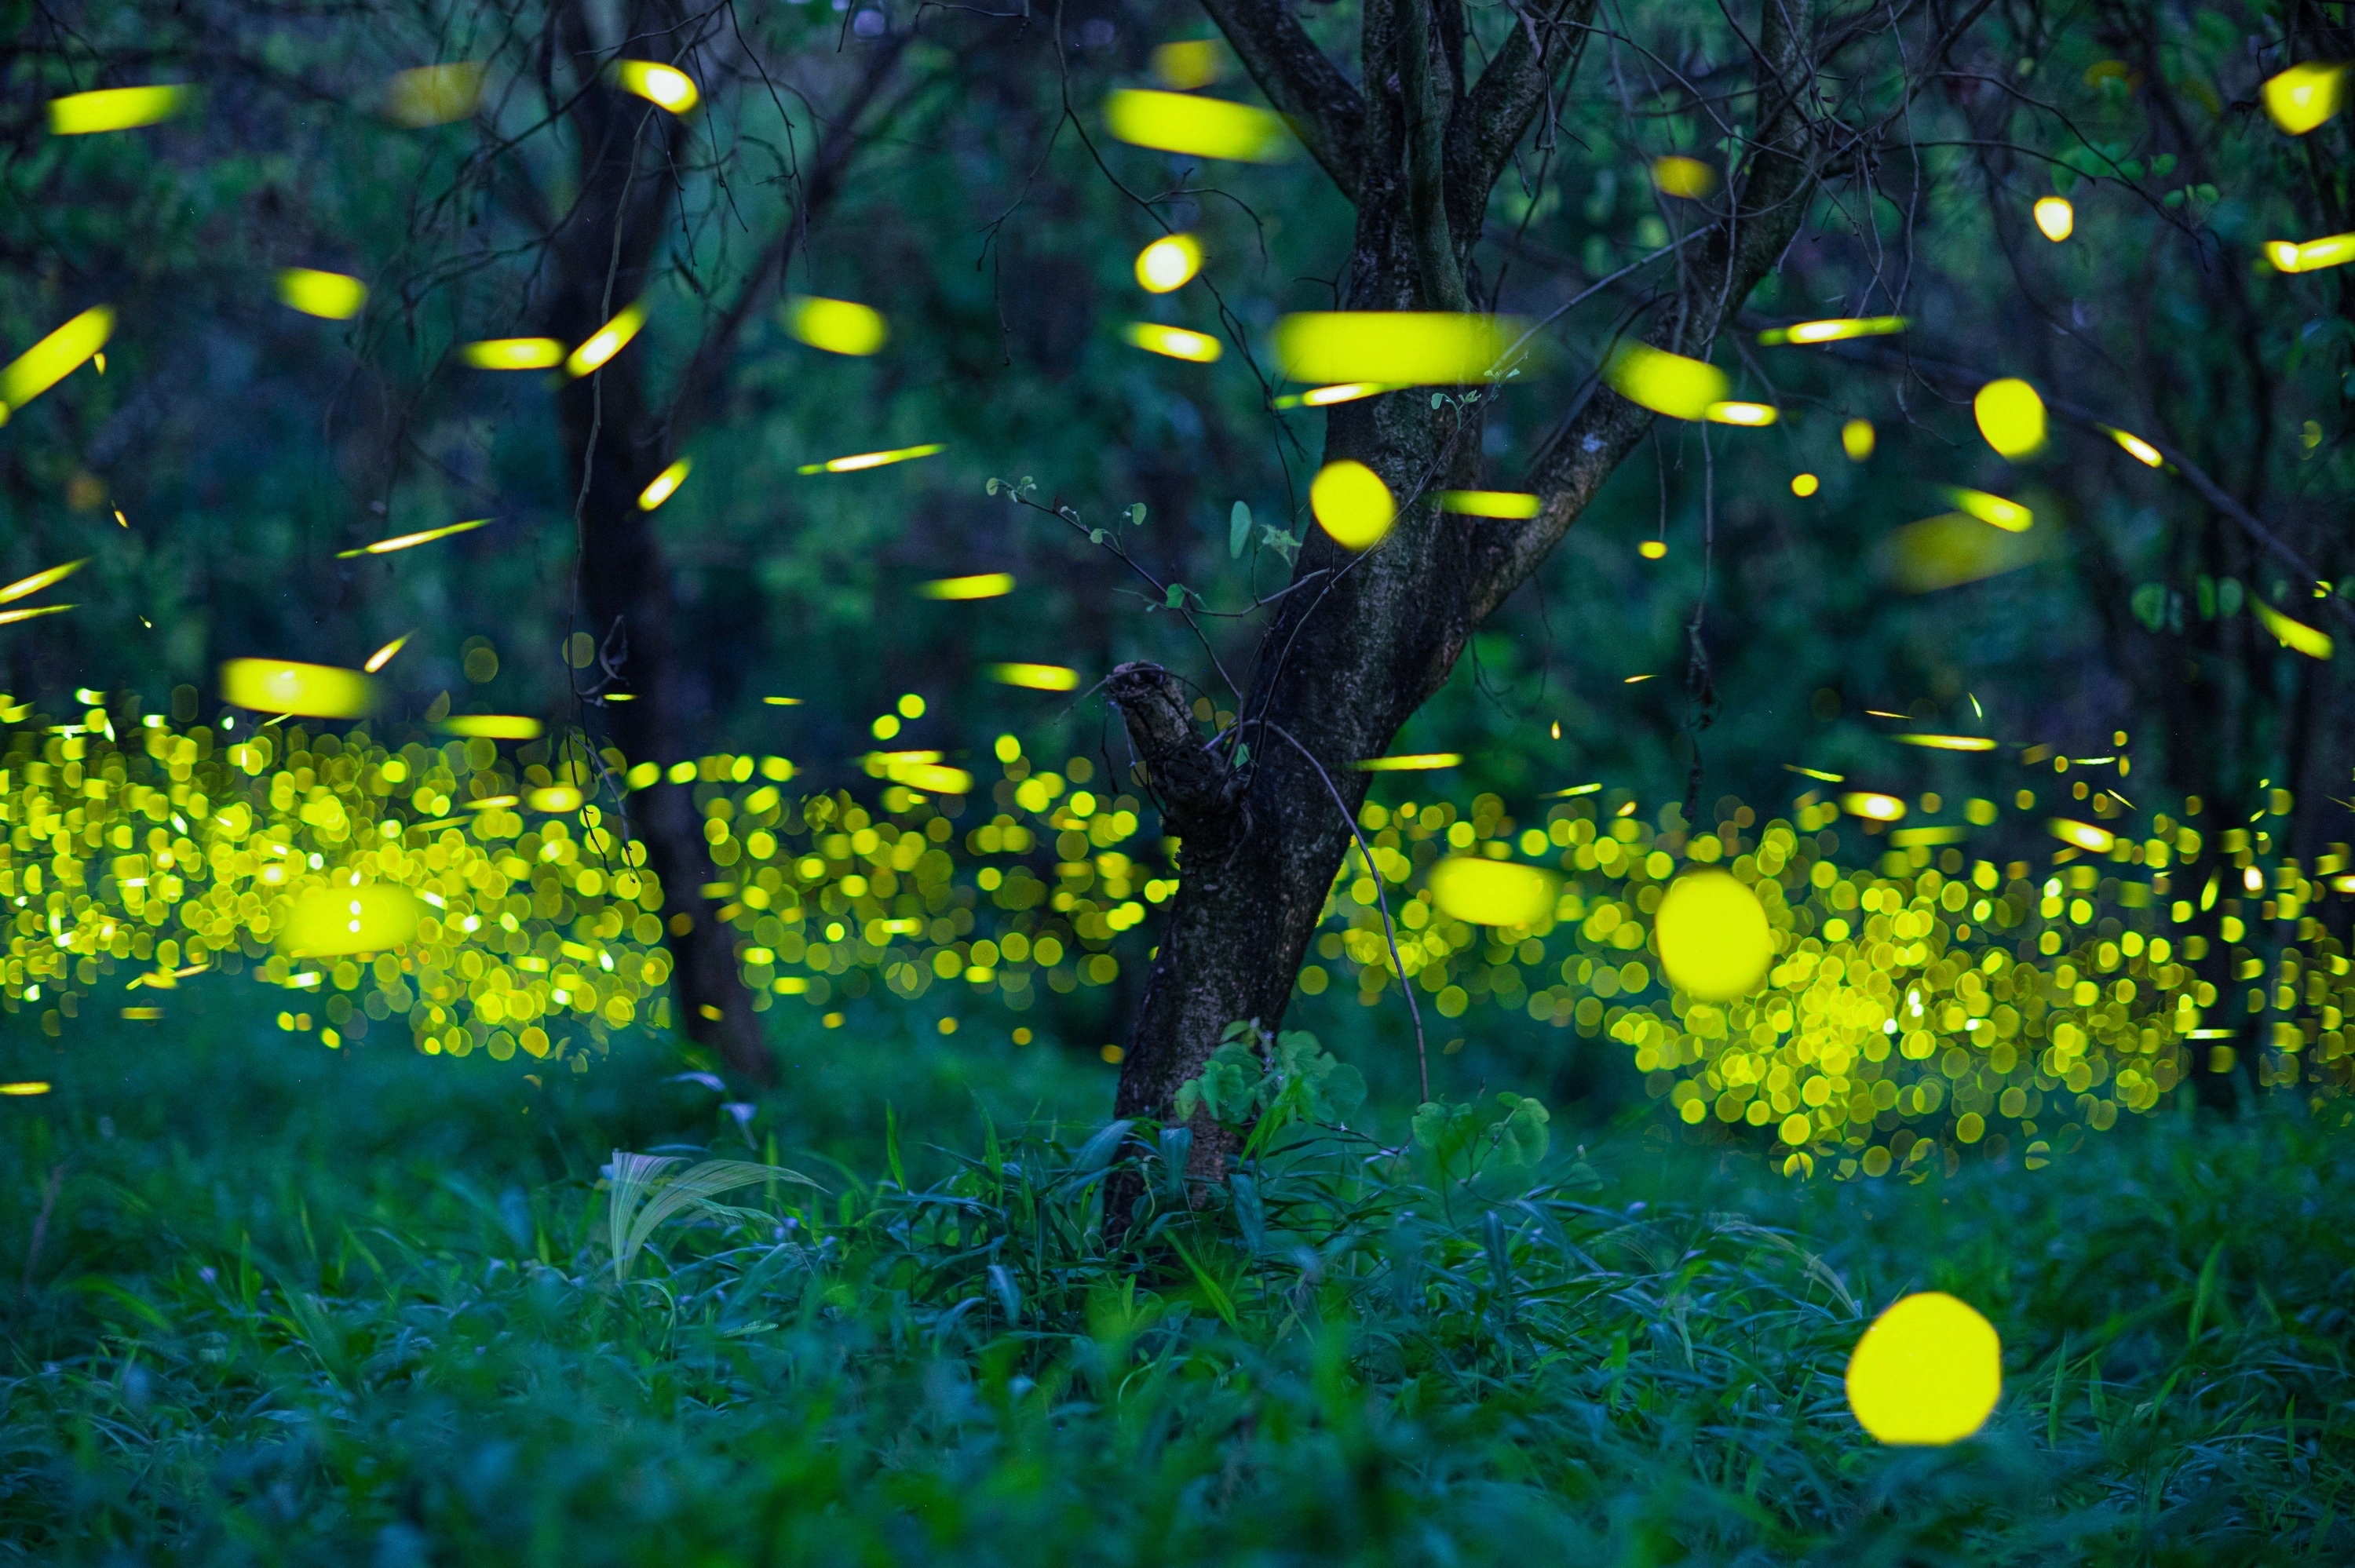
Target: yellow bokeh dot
1927,1372
1804,485
1352,503
1651,549
1714,940
2011,416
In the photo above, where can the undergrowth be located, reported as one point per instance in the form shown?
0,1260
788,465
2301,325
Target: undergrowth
234,1346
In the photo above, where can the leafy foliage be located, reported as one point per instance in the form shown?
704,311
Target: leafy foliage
236,1351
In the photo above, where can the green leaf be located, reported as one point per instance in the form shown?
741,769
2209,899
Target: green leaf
1177,598
1239,523
2150,603
1136,513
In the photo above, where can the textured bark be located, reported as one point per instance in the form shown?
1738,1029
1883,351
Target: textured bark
1362,641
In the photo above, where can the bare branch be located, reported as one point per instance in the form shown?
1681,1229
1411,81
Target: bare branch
1300,80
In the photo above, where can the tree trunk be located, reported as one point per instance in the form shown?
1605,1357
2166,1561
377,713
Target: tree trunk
1362,641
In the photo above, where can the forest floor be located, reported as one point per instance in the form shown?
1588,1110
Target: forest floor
280,1305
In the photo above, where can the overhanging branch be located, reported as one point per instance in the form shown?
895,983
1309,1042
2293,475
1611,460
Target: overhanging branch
1300,80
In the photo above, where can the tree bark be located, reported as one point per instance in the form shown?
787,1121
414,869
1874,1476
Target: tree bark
1361,641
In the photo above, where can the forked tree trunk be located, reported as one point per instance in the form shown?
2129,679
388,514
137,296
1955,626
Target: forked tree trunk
1362,641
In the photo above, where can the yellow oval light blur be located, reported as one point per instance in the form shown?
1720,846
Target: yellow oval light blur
513,354
554,799
1188,64
932,778
2292,633
2304,96
330,296
1754,414
606,341
664,485
113,108
1714,940
1169,264
1400,348
1681,177
2055,218
1203,127
435,94
330,921
665,86
1666,383
2011,416
837,327
1804,485
1927,1372
1034,677
981,585
2008,515
1352,503
310,690
1491,891
1876,806
1857,440
1176,343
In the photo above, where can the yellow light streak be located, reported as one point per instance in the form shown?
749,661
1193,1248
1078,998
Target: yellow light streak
982,584
1200,127
24,588
1411,348
2291,633
1176,343
606,341
1486,892
869,459
1874,806
1754,414
383,656
2084,835
1507,503
2007,515
1034,677
24,1088
837,327
411,541
1946,742
1838,331
307,691
1815,773
1666,383
2141,450
330,296
1325,397
114,109
54,358
1416,762
2312,255
493,727
664,485
513,354
10,617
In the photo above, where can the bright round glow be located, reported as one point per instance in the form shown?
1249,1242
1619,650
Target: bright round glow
1651,549
2056,218
1486,892
1928,1372
1352,503
1168,264
2010,415
1804,485
1714,940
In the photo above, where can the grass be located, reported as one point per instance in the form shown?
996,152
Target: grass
294,1307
